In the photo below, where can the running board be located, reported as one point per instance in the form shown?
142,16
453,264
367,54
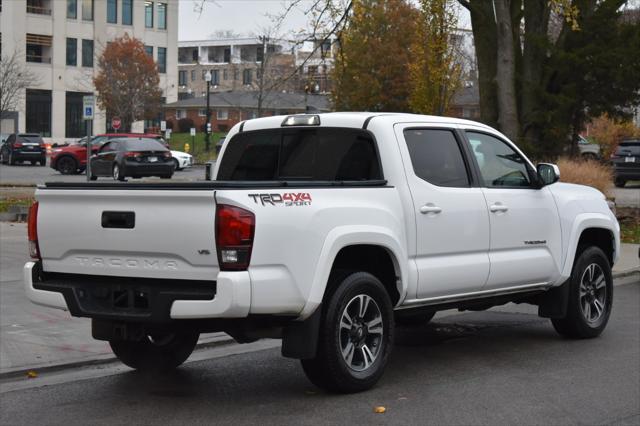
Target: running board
416,303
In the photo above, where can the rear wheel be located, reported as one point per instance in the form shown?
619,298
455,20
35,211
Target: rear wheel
590,296
176,164
356,336
12,160
156,352
93,177
43,161
117,173
619,182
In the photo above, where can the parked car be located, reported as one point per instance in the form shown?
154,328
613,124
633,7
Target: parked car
626,162
72,159
325,230
181,160
588,150
19,147
220,143
134,157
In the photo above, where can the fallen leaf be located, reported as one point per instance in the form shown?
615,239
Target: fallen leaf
32,374
379,410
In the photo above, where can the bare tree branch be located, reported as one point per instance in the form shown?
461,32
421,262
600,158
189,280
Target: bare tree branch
15,77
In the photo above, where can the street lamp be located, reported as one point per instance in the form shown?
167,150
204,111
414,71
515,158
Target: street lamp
207,78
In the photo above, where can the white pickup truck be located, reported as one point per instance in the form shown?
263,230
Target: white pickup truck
325,231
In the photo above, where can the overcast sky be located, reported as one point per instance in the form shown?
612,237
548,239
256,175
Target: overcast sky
240,16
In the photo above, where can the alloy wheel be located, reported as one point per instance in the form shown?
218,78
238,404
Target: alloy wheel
593,293
361,332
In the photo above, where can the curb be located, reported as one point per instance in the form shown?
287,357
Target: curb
626,273
105,359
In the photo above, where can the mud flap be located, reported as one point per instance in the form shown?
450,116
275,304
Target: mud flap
554,302
300,338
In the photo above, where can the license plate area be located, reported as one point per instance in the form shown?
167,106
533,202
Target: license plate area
629,159
152,159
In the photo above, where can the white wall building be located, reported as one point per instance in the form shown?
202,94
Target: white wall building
60,41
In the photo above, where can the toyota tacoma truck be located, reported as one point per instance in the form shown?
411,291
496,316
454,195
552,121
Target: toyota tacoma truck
325,231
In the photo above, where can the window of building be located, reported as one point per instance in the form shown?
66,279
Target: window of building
227,54
193,75
38,48
72,52
436,157
162,16
323,154
162,60
204,73
247,76
38,112
127,12
215,77
225,74
38,7
149,50
72,9
148,14
182,78
74,124
252,114
500,165
260,54
87,53
181,113
87,10
222,114
202,113
112,11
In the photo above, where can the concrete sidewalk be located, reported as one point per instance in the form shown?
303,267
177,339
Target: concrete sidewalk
34,338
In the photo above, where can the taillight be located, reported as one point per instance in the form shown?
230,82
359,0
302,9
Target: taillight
17,145
235,228
135,155
32,231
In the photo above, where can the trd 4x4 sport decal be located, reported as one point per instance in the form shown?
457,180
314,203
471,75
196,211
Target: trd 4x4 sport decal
288,199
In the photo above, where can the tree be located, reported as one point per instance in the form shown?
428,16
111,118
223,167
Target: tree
546,67
608,133
371,69
436,62
15,78
128,81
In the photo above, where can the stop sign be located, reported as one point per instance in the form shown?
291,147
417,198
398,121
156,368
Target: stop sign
115,123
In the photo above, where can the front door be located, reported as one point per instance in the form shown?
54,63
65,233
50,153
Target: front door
525,226
452,223
102,163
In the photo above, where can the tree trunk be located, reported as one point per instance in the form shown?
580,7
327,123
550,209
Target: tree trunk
505,72
484,36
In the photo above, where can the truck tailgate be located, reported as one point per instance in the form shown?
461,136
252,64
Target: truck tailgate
133,233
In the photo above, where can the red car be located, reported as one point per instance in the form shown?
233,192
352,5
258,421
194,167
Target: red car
72,159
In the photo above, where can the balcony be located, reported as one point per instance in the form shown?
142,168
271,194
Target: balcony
39,7
38,48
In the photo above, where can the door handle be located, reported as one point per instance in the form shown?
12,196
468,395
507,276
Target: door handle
498,207
430,208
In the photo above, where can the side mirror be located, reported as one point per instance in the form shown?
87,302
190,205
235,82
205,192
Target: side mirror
548,173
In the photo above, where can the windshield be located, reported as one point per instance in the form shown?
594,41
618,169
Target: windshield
143,145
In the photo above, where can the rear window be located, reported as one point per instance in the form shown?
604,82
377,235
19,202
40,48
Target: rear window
629,148
30,139
142,145
319,154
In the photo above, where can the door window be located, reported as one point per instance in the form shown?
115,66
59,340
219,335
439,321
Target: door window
500,165
108,147
436,157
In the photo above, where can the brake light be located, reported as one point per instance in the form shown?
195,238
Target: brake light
235,228
134,155
32,231
17,144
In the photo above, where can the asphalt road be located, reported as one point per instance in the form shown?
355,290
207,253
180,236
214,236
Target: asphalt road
504,366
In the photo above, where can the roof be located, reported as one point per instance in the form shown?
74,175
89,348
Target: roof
467,95
249,100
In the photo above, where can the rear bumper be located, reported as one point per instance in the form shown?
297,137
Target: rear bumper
140,300
629,173
29,155
149,169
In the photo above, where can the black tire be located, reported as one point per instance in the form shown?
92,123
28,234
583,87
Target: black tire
619,182
585,286
117,173
67,165
413,320
176,164
166,176
589,156
162,353
3,160
93,177
33,162
12,160
43,161
329,369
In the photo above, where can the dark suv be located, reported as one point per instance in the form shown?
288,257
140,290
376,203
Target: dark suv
23,147
626,162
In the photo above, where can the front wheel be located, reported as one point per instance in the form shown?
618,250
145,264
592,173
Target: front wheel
356,336
117,173
590,296
156,352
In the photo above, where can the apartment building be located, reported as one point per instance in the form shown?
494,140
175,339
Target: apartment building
60,41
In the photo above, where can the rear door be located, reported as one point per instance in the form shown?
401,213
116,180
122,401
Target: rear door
103,162
525,226
452,224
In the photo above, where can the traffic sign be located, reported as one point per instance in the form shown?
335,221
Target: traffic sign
87,107
193,131
163,125
115,123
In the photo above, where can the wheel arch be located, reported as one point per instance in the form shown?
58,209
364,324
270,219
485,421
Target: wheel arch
370,249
